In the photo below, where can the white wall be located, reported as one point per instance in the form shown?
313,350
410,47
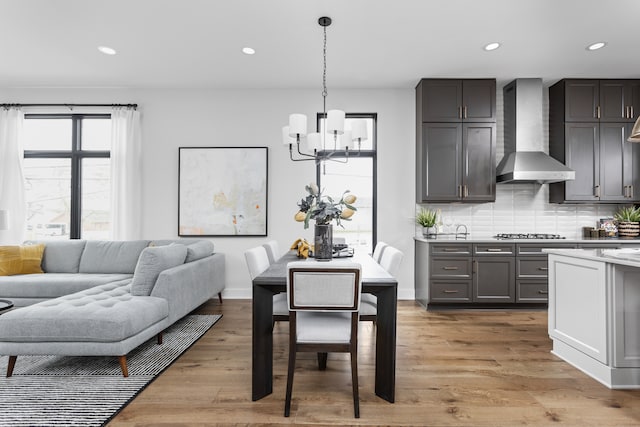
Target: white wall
175,118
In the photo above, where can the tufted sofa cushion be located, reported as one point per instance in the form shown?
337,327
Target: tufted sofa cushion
105,313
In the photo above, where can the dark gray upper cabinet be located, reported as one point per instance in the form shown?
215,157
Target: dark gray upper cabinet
456,139
587,100
453,100
589,122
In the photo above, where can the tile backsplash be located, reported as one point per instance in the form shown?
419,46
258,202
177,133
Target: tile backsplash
522,208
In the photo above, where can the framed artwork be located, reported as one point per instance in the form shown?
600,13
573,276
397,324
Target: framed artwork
222,191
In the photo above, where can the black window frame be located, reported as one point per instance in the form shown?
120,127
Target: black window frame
76,154
371,153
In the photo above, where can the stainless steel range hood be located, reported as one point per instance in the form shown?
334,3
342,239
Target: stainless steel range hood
524,160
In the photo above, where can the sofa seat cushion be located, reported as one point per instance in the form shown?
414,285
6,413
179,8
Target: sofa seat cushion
106,313
53,285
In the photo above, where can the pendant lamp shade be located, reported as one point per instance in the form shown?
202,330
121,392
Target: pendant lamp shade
635,132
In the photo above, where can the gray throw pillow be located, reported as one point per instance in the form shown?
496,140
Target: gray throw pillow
199,250
152,262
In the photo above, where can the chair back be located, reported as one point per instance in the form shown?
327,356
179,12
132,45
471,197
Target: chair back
273,250
391,259
328,286
257,260
377,252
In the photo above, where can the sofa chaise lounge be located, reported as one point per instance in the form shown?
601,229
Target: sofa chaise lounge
105,298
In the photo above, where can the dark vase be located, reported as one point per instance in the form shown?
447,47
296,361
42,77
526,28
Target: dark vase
323,242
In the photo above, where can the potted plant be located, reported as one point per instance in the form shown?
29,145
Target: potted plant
628,218
427,219
324,209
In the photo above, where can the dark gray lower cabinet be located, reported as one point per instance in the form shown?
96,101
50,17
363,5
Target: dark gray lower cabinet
494,279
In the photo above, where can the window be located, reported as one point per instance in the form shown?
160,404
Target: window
358,175
67,176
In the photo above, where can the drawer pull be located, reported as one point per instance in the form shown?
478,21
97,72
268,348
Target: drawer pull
543,268
450,250
449,268
494,250
447,291
543,292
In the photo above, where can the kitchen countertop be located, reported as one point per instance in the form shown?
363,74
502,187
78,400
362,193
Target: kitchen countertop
627,256
485,239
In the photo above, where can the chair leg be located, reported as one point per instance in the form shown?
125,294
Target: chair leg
322,361
11,365
354,382
291,370
123,365
220,297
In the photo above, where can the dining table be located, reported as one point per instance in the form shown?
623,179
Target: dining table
375,280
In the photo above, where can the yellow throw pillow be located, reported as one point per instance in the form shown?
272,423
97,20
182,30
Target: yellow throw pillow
21,259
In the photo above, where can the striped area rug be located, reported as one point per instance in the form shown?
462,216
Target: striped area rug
89,391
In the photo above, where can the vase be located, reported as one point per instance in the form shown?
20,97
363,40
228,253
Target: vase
429,232
628,229
323,242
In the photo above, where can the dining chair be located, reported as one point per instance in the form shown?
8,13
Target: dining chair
324,299
273,250
390,260
258,261
377,252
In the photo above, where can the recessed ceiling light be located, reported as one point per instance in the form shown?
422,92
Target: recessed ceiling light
596,46
248,51
492,46
107,50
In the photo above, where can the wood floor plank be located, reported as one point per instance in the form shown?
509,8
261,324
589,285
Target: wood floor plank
454,368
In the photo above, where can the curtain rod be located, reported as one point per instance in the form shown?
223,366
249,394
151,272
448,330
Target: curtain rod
70,106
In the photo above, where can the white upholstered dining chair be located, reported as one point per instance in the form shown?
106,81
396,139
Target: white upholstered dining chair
324,300
390,260
258,261
273,250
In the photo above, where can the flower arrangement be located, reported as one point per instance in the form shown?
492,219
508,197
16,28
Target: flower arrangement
324,209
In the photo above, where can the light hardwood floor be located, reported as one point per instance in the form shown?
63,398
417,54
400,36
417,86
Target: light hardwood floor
454,368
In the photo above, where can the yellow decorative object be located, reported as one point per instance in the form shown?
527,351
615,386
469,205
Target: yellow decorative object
300,216
21,259
347,213
302,247
350,198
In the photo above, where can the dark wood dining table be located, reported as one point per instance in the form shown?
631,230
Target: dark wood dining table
375,280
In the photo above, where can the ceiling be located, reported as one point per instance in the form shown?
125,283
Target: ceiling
371,43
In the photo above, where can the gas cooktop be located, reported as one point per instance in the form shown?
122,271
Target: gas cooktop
511,236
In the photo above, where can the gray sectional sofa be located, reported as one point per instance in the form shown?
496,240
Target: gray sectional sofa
106,297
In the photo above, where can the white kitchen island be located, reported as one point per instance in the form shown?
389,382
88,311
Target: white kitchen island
594,312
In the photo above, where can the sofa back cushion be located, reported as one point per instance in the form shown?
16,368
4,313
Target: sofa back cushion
199,250
153,261
104,256
62,256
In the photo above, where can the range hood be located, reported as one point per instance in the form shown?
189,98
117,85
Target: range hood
524,160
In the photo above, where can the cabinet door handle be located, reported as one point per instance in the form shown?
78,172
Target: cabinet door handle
627,112
543,292
631,115
598,112
625,192
449,268
543,268
460,191
460,112
465,111
449,291
631,191
597,191
466,191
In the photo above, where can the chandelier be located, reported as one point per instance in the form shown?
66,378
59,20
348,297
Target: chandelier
315,145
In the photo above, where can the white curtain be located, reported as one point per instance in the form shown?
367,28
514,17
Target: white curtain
12,189
126,174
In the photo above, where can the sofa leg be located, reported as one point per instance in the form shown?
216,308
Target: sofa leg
123,365
160,338
11,365
220,297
